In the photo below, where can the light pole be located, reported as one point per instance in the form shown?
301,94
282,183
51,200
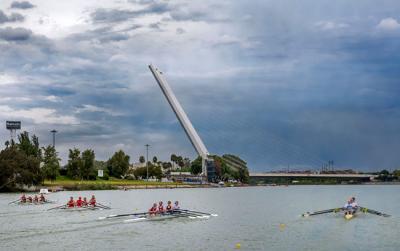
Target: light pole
147,161
54,137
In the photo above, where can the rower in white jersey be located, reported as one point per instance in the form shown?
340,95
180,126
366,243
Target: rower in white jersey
176,206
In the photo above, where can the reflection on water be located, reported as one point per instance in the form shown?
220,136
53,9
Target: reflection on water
253,218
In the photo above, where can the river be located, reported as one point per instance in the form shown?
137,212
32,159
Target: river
249,218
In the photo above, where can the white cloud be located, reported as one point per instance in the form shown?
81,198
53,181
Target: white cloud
93,108
330,25
38,115
388,24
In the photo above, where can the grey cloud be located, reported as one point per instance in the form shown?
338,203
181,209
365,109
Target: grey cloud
115,15
13,17
22,5
17,34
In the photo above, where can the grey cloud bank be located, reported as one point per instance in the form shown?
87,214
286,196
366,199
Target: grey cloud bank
274,82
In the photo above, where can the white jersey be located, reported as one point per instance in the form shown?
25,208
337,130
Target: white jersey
354,204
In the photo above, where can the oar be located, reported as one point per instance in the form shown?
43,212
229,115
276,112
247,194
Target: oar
194,212
366,210
333,210
56,207
122,215
13,201
103,206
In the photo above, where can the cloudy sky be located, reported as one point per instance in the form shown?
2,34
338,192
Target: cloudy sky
279,83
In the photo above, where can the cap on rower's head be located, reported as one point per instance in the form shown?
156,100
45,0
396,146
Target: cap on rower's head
354,198
176,202
169,202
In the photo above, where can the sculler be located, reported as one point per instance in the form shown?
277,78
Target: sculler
84,202
153,209
92,201
71,202
168,208
35,199
42,198
23,198
176,206
79,202
29,199
160,207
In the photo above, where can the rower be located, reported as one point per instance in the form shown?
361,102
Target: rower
42,198
71,202
168,208
35,199
92,201
23,198
153,209
176,206
79,202
84,202
354,204
160,207
29,199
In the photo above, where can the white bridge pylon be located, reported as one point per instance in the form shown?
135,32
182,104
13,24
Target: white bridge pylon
182,117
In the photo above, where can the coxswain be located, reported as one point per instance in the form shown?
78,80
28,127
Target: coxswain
29,199
168,208
35,199
71,202
160,207
84,202
23,198
79,202
176,206
42,198
153,209
92,201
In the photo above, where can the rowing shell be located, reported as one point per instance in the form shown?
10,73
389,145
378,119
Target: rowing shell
349,216
35,203
160,217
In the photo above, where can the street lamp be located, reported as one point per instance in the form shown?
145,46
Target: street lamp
147,161
54,137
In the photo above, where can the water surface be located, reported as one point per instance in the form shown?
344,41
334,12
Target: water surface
258,218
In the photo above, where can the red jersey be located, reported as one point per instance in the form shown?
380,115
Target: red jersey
71,203
92,202
168,208
153,209
161,208
79,203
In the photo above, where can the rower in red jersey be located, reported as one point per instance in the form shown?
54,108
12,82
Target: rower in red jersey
84,202
168,208
29,199
79,202
23,198
92,201
35,199
160,207
153,209
42,198
71,202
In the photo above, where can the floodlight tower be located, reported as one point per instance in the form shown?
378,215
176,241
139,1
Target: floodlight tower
184,121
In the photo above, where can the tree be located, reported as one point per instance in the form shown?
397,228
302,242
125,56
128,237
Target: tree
17,169
51,164
74,163
196,166
118,164
87,167
142,159
396,174
155,159
28,146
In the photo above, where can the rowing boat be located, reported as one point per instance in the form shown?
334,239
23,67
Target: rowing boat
146,216
34,203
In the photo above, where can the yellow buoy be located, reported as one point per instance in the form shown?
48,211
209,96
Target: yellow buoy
237,246
282,226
